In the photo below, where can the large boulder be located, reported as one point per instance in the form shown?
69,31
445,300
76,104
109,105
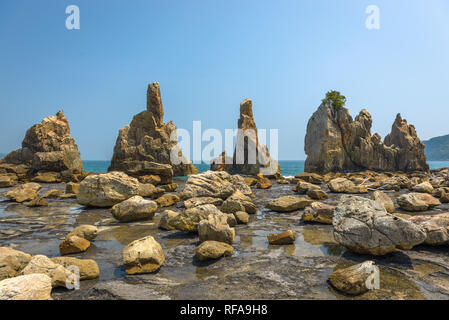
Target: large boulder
250,157
24,192
364,226
216,228
42,264
215,184
335,142
12,262
148,141
133,209
27,287
288,203
143,256
417,201
107,189
48,146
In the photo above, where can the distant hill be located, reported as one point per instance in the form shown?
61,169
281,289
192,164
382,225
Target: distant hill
437,149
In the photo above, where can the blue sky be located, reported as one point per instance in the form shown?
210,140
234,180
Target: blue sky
208,55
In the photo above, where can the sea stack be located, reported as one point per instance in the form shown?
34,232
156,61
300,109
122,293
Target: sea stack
336,143
48,153
144,147
250,158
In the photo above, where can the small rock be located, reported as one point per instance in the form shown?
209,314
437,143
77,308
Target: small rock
424,187
242,217
216,228
195,202
417,201
317,194
143,256
167,200
8,180
72,187
134,209
263,183
23,192
319,212
288,204
84,231
356,279
73,244
37,202
149,190
286,237
383,199
164,222
88,268
42,264
209,250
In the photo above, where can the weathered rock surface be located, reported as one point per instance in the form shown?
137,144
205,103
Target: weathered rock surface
134,209
84,231
241,217
435,226
48,147
417,201
317,194
288,203
263,183
8,180
356,279
42,264
383,199
249,157
24,192
424,187
167,200
218,184
148,141
12,262
88,268
343,185
143,256
319,212
73,244
107,189
166,216
195,202
189,219
286,237
364,226
209,250
238,202
216,228
27,287
335,142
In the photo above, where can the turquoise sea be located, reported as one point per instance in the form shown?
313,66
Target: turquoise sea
288,167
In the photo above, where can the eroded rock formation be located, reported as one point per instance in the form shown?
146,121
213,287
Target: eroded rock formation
336,143
249,157
47,147
143,148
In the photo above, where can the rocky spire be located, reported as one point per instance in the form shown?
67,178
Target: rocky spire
154,102
336,142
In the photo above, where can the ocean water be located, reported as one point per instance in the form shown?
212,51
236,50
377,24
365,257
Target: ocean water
288,167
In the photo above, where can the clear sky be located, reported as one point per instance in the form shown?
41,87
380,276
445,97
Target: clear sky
208,55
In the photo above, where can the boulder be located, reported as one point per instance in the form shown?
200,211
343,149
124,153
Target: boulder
149,190
107,189
73,244
286,237
250,157
189,219
167,200
310,177
134,209
417,201
343,185
209,250
165,221
8,180
263,183
365,227
335,142
143,256
42,264
195,202
238,202
288,203
48,147
383,199
27,287
304,187
242,217
319,212
84,231
216,228
12,262
436,228
88,268
355,280
47,177
424,187
24,192
215,184
317,194
147,144
231,219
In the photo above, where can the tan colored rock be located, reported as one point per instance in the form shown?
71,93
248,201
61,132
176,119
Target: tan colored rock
73,244
238,202
149,190
317,194
216,228
242,217
167,200
444,198
12,262
310,177
343,185
170,187
27,287
435,226
383,199
319,212
147,142
42,264
150,179
263,183
37,202
88,269
356,279
24,192
424,187
72,187
189,219
304,187
209,250
417,201
164,222
231,219
195,202
53,193
107,189
250,181
286,237
84,231
8,180
143,256
134,209
47,177
288,203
